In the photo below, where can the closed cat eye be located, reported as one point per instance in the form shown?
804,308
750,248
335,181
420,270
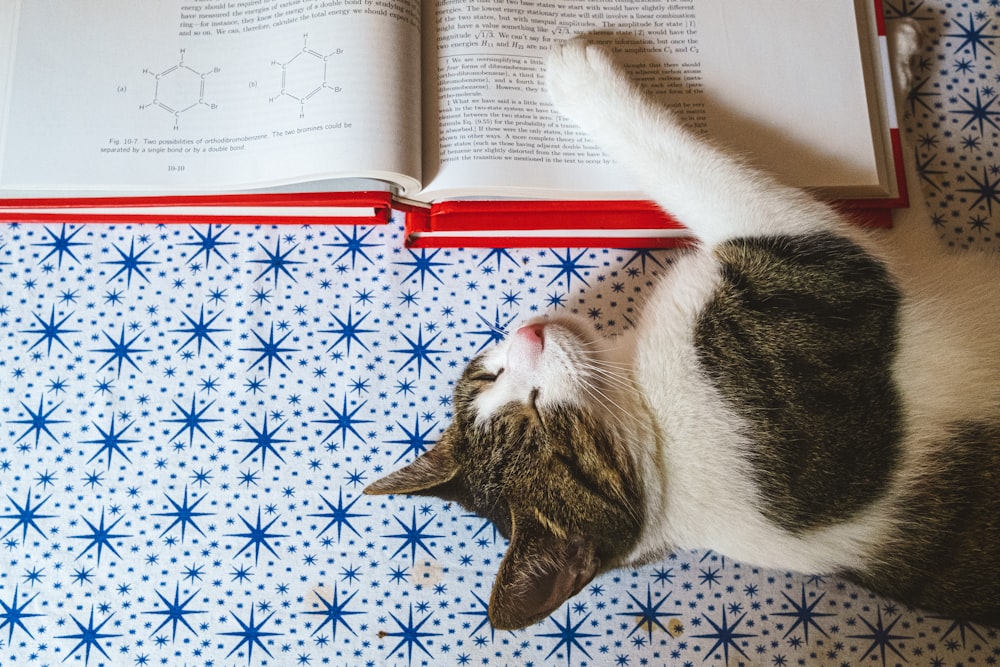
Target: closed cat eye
486,377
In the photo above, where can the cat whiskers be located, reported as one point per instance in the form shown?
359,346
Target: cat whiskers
608,374
602,392
603,378
619,416
617,420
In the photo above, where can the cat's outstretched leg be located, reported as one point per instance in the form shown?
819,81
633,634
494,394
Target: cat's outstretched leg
716,196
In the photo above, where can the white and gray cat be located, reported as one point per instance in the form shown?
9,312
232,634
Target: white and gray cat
799,393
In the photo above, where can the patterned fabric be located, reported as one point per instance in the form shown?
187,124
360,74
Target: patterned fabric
189,415
951,115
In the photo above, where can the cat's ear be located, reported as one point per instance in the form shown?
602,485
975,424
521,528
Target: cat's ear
433,473
540,571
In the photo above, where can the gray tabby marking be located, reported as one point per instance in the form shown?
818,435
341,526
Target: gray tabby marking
800,339
950,532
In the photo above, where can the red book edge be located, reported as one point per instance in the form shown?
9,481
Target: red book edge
163,208
618,224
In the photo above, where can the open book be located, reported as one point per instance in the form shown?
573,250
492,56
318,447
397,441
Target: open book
338,110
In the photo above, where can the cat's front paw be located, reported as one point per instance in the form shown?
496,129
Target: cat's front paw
582,79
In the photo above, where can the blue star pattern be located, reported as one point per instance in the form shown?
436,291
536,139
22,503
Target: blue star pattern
190,413
953,118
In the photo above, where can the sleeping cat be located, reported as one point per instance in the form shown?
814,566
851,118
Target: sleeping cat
799,394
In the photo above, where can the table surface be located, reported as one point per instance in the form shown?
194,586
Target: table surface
189,415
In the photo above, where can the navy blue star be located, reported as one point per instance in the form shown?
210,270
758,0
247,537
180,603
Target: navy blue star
100,537
569,635
649,614
200,330
805,614
89,636
349,331
131,262
978,112
51,331
903,10
973,36
175,612
924,169
121,351
483,613
663,575
333,612
110,442
276,262
270,350
916,95
416,442
241,574
13,615
264,441
959,625
413,537
555,300
26,517
494,332
881,637
987,190
344,422
419,351
38,421
183,514
724,636
979,223
251,634
353,245
643,255
61,244
499,254
423,265
257,537
569,267
485,525
208,243
410,635
709,576
339,515
192,420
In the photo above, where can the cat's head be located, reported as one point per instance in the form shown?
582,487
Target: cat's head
537,446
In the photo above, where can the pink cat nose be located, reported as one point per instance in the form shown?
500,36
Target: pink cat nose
532,333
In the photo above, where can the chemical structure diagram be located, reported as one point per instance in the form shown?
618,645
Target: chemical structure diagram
178,89
305,74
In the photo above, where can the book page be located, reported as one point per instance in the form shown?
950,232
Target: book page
732,69
201,95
